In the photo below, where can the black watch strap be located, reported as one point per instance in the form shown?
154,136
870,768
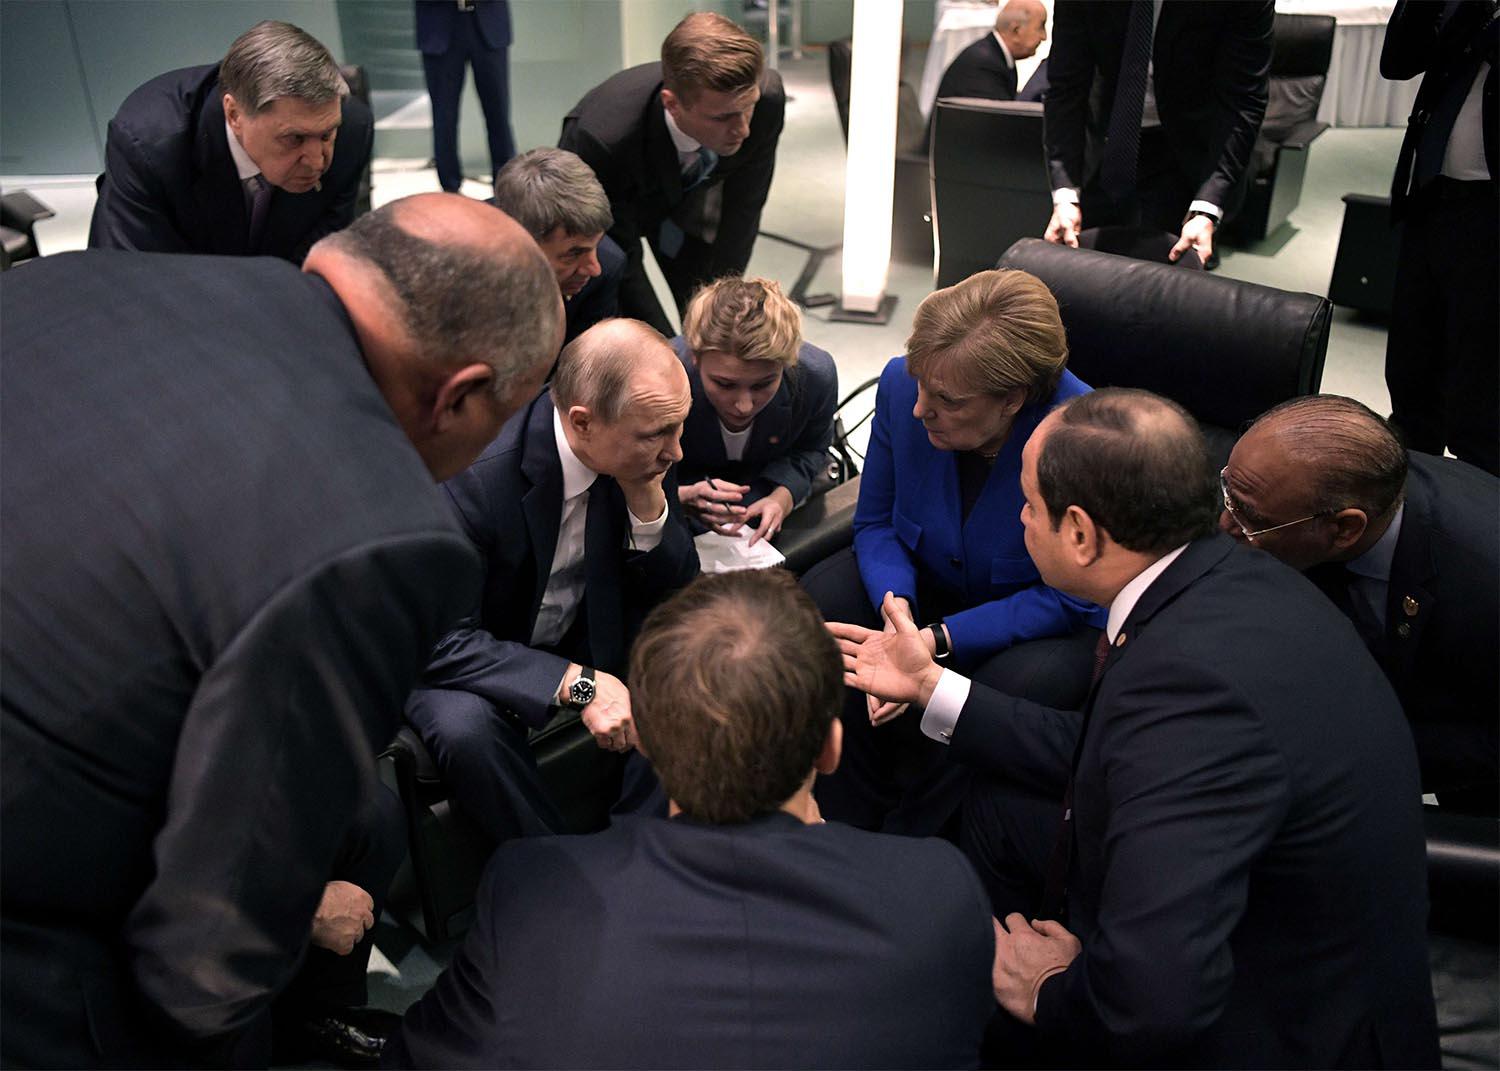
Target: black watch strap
941,648
581,692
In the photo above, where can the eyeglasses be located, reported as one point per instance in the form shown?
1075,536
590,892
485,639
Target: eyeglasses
1234,514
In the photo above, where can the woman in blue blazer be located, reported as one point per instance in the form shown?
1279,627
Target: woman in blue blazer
762,418
938,524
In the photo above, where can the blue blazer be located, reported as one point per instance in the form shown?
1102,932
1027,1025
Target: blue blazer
907,525
509,503
788,445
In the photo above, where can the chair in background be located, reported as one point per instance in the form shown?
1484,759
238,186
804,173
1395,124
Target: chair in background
911,208
1225,350
19,214
989,182
1364,269
1272,184
1140,243
1463,879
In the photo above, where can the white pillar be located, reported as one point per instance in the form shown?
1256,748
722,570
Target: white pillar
870,177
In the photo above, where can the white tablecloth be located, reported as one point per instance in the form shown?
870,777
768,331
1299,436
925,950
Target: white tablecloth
1356,95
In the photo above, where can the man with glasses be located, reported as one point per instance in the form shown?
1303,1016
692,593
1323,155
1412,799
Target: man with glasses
1406,545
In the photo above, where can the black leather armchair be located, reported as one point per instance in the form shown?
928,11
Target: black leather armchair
1224,349
19,214
989,182
1463,878
1273,182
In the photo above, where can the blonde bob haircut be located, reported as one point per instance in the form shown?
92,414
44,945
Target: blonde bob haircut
994,332
746,318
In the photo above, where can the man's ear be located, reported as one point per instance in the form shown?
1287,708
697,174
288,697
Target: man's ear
671,102
1349,526
1083,539
833,748
580,419
232,113
457,392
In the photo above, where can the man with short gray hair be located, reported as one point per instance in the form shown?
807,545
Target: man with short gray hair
987,68
574,510
260,155
558,199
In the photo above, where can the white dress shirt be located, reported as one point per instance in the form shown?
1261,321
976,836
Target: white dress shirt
565,581
245,167
687,147
952,689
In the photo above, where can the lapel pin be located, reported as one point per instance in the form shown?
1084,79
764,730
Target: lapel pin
1120,640
1410,606
775,439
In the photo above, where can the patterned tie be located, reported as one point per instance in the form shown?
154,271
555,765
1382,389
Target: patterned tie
700,169
1117,171
260,203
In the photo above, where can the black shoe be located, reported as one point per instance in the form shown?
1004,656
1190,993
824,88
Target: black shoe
347,1037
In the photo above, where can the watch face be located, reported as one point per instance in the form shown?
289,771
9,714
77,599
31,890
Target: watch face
581,692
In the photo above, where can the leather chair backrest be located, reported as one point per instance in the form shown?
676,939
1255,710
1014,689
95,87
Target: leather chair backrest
911,128
840,66
1303,45
1224,349
989,182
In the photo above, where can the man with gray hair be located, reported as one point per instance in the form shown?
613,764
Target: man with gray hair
557,198
574,510
225,561
987,68
260,155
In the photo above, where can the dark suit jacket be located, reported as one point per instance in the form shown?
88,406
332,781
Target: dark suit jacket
788,445
600,297
510,504
435,24
1440,41
170,185
1443,622
619,130
910,535
1210,65
980,71
666,943
1248,874
223,567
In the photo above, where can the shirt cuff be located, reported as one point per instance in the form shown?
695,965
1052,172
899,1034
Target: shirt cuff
1064,195
946,704
1199,206
645,535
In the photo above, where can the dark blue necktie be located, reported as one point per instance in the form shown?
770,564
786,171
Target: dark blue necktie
1117,171
701,168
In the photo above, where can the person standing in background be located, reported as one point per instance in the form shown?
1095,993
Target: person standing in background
450,35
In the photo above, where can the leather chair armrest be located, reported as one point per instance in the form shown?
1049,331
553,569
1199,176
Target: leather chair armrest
1303,134
20,210
1463,873
821,526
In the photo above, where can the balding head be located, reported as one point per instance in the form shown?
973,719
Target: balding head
623,395
1023,26
453,304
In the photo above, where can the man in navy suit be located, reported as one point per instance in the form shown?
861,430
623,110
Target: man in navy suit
224,564
260,155
742,932
685,149
574,511
1234,870
555,196
1151,111
453,34
987,68
1404,544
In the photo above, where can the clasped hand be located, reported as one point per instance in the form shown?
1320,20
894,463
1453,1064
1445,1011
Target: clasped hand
1026,955
344,914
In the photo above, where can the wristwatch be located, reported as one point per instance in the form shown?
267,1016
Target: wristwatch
581,692
941,649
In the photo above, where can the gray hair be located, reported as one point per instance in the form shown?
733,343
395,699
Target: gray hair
1353,455
1013,15
549,188
276,59
594,369
460,302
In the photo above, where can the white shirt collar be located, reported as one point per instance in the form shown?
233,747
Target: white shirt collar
1010,60
1131,593
577,477
247,167
1375,563
684,143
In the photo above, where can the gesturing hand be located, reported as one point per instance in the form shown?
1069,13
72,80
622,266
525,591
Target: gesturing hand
715,503
344,914
896,665
1026,955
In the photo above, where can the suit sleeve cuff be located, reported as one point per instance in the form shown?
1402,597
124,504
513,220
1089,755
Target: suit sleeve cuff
946,704
1064,195
645,535
1202,206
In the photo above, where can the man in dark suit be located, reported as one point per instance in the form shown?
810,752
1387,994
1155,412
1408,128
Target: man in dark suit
742,932
1151,112
1406,545
574,512
453,34
1440,361
555,196
987,68
260,155
224,564
1235,874
685,149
